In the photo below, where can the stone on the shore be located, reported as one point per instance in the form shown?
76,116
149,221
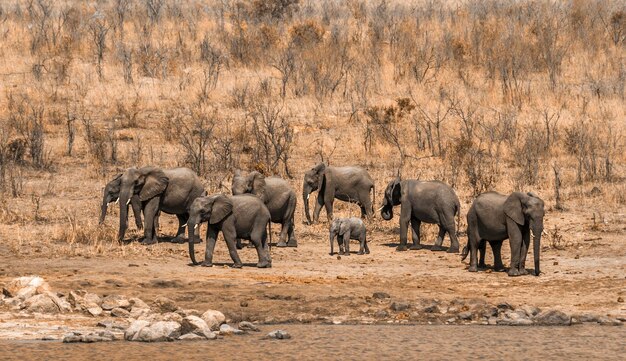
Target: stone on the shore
530,311
465,315
214,319
138,303
191,337
134,329
158,332
279,335
41,303
194,324
163,305
380,295
587,317
100,336
553,318
248,326
120,312
190,312
607,321
226,329
400,306
95,311
25,287
512,318
114,301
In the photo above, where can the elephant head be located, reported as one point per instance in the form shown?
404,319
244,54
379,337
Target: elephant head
146,183
112,194
253,183
313,181
526,209
213,209
391,199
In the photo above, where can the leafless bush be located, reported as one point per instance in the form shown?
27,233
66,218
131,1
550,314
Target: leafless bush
195,124
98,29
128,114
272,132
96,140
386,124
27,117
529,153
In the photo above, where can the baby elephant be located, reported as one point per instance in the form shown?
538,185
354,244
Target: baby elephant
346,229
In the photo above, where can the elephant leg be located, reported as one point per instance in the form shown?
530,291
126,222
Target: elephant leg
415,234
450,229
515,239
366,204
231,239
156,223
439,241
362,244
284,231
150,211
367,248
182,222
473,240
318,207
346,241
329,200
341,244
496,247
211,238
524,251
293,242
482,250
405,218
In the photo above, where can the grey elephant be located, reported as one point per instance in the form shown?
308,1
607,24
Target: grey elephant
111,194
349,184
278,197
422,201
160,190
345,229
495,217
243,216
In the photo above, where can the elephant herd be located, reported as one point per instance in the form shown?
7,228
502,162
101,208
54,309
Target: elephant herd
258,201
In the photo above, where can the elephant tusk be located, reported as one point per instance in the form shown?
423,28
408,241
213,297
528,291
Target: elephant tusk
117,201
184,225
128,201
195,227
307,196
380,209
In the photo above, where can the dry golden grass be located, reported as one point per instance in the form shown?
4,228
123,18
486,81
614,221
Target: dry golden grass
489,74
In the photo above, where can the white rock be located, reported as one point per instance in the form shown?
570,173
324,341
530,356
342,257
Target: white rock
26,287
194,324
191,337
41,303
138,303
248,326
114,301
214,319
134,329
158,332
279,335
226,329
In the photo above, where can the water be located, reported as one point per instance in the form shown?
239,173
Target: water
330,342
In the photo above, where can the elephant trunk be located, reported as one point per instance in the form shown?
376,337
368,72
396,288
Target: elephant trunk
192,227
106,199
386,211
124,200
306,191
537,230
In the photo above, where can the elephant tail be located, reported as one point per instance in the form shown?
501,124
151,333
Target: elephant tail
373,198
269,234
458,216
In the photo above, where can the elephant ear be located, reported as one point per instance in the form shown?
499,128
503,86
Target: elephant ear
222,207
257,184
320,168
113,187
154,184
344,226
513,208
396,191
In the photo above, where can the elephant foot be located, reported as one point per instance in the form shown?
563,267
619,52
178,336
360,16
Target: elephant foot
401,248
292,243
265,264
250,245
346,253
523,272
237,265
180,240
482,265
473,269
361,253
416,247
147,242
331,253
499,268
514,272
197,241
437,248
367,252
453,250
239,245
206,264
281,244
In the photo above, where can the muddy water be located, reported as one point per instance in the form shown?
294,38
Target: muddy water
325,342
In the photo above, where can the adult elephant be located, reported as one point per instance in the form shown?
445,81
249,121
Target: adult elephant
422,201
243,216
278,197
349,184
495,217
112,194
168,190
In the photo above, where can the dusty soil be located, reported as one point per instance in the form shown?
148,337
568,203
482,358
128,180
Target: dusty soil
306,284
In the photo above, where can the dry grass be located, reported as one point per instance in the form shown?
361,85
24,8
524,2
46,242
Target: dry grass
480,94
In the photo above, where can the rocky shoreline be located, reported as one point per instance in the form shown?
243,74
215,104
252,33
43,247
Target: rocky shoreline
31,310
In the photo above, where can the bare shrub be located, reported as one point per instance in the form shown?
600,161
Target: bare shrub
386,124
195,125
